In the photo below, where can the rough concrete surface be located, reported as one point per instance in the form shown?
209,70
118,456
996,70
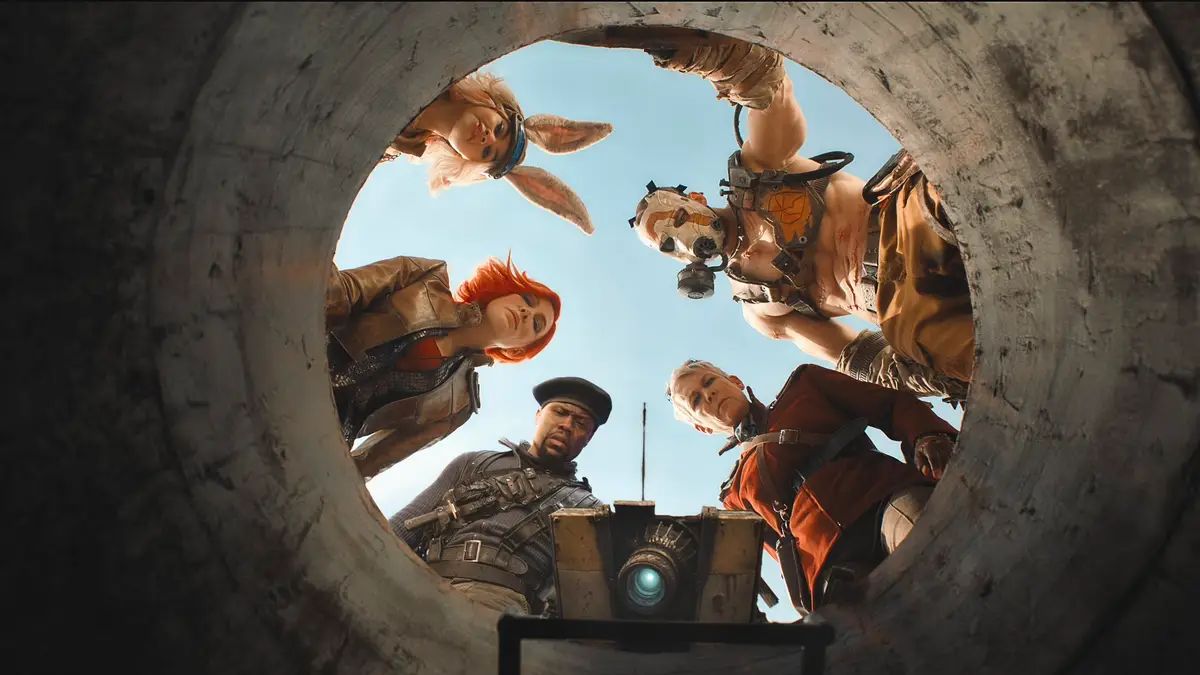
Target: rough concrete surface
174,486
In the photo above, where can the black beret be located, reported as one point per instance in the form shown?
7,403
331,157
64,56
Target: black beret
578,391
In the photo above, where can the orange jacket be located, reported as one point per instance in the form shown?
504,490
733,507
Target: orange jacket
819,400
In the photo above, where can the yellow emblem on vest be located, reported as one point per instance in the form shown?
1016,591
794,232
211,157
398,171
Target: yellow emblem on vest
792,209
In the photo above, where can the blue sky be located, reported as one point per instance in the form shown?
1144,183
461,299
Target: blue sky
624,326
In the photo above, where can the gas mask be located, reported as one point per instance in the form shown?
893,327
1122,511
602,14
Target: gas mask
685,228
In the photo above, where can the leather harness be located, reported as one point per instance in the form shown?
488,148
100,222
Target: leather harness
749,191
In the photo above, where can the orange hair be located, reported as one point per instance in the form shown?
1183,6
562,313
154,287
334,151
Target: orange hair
494,279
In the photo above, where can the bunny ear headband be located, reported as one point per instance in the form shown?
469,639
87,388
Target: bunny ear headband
559,136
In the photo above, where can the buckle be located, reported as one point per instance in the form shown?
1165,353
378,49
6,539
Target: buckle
775,294
740,178
786,262
471,550
789,436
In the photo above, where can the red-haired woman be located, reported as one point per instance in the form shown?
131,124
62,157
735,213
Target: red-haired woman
475,130
403,350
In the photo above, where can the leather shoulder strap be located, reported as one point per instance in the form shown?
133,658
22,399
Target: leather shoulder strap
786,437
483,463
837,441
767,479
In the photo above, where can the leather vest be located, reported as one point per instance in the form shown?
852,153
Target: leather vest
509,543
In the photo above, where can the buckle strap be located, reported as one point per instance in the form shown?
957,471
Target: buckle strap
477,572
529,527
476,551
786,437
786,290
838,441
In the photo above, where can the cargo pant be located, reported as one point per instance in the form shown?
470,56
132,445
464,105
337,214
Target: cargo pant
923,302
500,598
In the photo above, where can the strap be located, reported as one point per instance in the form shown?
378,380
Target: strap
831,163
790,261
481,464
793,577
785,544
511,445
767,479
477,572
737,127
837,442
742,178
786,437
782,291
537,520
530,526
476,551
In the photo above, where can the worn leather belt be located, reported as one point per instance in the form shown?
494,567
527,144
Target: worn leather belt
477,561
475,551
478,572
786,437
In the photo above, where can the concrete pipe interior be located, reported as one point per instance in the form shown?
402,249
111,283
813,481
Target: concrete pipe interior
1064,538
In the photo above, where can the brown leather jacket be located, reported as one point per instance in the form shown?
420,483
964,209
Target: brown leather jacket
377,303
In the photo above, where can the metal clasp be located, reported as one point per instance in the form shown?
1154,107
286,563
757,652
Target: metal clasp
740,178
781,510
471,550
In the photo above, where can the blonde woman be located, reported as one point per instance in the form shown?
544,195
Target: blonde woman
476,130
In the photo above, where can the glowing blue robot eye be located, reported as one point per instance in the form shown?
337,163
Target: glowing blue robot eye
646,587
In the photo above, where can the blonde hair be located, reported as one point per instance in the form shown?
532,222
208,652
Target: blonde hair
683,414
446,167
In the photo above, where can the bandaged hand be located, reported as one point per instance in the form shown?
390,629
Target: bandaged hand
932,453
868,357
742,73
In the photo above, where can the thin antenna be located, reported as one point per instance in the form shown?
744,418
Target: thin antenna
643,451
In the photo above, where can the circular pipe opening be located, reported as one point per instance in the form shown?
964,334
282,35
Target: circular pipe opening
1081,365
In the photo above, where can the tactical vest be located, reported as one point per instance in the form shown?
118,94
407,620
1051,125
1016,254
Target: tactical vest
506,541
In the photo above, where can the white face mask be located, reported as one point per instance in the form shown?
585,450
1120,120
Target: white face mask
683,228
